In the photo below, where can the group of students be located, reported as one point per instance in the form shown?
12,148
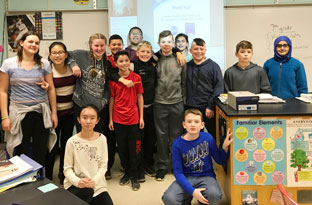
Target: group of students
132,99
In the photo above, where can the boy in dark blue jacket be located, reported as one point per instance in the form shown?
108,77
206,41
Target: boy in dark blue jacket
192,155
204,83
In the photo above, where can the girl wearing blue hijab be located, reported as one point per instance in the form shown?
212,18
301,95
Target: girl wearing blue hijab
286,74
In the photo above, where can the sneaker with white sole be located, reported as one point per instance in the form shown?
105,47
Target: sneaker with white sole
160,175
125,179
135,184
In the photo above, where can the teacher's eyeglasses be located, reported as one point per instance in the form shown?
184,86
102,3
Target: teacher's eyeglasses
282,45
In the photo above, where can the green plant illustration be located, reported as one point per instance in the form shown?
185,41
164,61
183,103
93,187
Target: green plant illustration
299,159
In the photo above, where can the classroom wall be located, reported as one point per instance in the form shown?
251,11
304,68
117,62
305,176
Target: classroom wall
77,28
262,25
258,24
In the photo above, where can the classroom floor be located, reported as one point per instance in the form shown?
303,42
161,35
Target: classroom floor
150,191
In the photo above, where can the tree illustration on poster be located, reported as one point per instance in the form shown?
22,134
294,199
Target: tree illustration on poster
299,159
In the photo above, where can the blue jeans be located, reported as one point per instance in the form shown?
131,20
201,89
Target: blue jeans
176,195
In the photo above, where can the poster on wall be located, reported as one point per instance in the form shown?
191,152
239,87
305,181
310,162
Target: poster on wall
49,25
259,152
17,25
299,152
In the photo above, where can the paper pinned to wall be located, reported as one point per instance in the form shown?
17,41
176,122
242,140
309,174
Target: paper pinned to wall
48,25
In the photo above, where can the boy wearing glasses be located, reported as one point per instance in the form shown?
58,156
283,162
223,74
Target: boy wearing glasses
245,75
286,74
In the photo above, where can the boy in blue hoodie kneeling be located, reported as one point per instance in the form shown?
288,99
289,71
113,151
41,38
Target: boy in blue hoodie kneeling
192,155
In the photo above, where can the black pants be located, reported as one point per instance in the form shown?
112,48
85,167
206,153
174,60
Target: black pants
63,131
86,194
148,137
129,147
111,140
34,131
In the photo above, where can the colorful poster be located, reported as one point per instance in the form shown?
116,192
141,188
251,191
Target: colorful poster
299,152
49,25
259,152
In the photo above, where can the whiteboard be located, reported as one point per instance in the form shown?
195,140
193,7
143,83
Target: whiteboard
262,25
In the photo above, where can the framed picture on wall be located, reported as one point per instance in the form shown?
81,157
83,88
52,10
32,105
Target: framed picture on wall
18,25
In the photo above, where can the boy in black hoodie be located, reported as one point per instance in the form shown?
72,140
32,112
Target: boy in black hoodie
204,83
145,66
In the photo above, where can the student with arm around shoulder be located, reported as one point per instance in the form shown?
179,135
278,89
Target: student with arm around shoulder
64,82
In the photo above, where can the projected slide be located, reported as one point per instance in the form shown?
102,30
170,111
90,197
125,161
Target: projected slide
196,18
181,16
123,16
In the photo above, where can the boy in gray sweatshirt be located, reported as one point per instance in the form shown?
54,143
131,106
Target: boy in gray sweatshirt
245,75
168,102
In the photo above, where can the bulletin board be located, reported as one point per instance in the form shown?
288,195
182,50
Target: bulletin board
259,152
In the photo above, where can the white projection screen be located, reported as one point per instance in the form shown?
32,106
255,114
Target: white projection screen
196,18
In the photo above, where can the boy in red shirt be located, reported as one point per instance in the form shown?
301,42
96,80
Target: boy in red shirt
126,118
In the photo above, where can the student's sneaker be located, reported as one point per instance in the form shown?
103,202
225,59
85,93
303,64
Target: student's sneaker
141,176
135,184
149,171
160,175
108,175
124,180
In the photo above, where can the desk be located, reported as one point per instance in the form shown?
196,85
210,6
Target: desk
274,167
28,194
